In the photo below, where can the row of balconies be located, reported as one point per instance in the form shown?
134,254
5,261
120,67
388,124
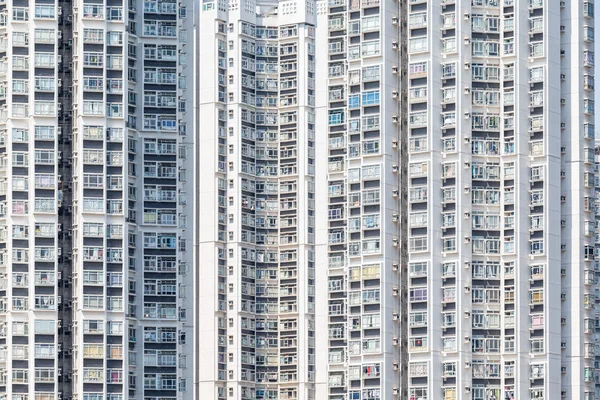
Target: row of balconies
41,11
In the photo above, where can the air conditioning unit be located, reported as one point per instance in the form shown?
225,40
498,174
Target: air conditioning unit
563,125
395,119
563,320
467,364
395,168
563,173
562,52
395,20
563,4
395,267
395,144
396,316
467,339
563,199
467,115
563,29
467,189
467,65
395,192
563,102
467,389
395,69
467,90
563,345
467,314
563,369
395,45
395,94
395,341
467,139
563,223
396,391
467,264
563,77
396,366
563,296
467,16
563,247
395,291
467,290
467,239
395,217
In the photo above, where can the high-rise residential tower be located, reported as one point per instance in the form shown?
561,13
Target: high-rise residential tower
256,200
360,134
453,231
501,187
96,248
298,200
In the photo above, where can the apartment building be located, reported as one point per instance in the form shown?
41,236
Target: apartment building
360,108
298,200
501,184
256,205
450,245
96,251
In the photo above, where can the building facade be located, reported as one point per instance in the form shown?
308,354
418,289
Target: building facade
256,202
501,238
360,106
298,200
96,248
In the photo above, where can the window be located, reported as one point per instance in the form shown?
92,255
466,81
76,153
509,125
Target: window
370,98
20,328
45,350
418,294
417,44
20,376
20,14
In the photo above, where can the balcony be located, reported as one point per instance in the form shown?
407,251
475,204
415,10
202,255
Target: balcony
417,119
449,46
337,142
336,380
588,58
93,108
588,82
418,45
336,95
418,94
336,166
44,108
536,25
336,47
336,70
449,20
417,20
588,106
